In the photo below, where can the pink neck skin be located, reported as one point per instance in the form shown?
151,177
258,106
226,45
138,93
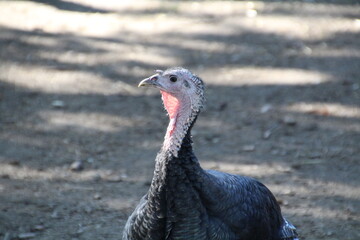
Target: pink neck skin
179,110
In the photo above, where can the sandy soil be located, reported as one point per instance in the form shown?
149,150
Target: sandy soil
78,139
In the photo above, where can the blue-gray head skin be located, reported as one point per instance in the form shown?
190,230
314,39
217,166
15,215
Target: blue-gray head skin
183,97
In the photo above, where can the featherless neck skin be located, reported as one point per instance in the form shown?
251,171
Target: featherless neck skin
182,115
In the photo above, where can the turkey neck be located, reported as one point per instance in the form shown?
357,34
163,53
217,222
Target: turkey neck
182,113
177,141
177,146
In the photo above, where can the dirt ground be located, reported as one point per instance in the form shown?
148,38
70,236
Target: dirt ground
78,139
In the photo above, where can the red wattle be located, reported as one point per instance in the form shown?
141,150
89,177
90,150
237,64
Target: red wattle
171,104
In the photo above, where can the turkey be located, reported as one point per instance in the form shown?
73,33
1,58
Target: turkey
187,202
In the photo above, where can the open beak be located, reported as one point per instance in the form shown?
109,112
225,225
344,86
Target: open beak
149,82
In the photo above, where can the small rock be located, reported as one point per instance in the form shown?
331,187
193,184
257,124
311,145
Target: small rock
4,176
54,214
314,155
307,50
77,166
283,202
267,134
266,108
289,120
247,122
26,235
80,230
350,209
38,228
355,87
58,104
14,163
289,193
97,196
286,170
248,148
251,13
296,166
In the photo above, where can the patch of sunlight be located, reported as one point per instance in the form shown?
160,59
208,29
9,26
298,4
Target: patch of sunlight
318,212
83,121
263,76
327,188
203,125
326,109
122,204
16,15
56,173
24,140
254,170
49,80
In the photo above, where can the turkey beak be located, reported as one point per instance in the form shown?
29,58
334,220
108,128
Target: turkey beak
149,82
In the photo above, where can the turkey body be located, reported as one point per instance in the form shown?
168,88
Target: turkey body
188,202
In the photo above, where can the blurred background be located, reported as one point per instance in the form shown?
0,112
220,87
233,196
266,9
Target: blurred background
78,139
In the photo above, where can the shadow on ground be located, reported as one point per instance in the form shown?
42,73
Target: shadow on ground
310,162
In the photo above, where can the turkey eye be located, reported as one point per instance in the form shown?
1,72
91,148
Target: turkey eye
173,78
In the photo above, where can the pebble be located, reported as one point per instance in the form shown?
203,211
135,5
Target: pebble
26,235
289,120
97,196
313,155
355,87
77,166
54,214
14,163
289,193
267,134
266,108
248,148
38,228
58,104
283,202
